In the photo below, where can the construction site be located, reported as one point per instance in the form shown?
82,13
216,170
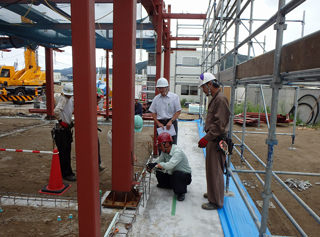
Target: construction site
262,53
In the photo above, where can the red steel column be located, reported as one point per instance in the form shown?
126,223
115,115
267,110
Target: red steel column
124,46
167,51
85,112
158,64
107,83
49,84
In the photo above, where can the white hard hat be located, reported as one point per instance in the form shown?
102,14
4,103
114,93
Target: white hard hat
68,89
162,82
206,77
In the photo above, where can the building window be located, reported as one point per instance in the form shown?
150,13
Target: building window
193,90
190,61
189,90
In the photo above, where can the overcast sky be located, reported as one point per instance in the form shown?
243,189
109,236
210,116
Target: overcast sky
263,9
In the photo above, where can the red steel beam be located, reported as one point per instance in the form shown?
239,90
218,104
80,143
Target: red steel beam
49,84
183,16
159,30
124,46
167,51
85,113
184,38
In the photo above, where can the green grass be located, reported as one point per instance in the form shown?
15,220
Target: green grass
238,109
182,102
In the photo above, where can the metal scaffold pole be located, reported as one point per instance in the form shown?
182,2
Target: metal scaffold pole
280,26
233,90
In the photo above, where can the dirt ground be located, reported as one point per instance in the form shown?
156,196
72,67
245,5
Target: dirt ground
25,173
305,158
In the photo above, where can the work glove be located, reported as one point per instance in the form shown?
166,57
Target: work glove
202,143
150,166
63,124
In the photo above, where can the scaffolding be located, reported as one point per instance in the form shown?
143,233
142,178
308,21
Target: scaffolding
187,64
286,65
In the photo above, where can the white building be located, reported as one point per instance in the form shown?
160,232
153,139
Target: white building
184,74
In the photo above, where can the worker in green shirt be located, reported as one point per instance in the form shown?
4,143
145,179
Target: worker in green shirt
172,167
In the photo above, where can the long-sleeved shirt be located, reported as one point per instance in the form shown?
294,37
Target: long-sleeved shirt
64,109
175,160
217,118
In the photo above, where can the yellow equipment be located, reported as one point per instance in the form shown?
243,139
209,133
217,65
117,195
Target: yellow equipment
23,82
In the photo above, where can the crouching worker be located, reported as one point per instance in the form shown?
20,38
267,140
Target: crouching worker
173,170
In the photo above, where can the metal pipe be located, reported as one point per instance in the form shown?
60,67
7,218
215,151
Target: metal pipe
285,211
250,29
244,119
110,228
300,201
295,117
264,106
284,10
244,198
253,132
277,172
272,141
233,91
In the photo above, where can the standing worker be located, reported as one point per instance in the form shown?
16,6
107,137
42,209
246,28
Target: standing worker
173,170
137,107
100,96
165,107
62,132
216,128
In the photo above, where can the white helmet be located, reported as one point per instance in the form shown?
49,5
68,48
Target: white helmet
68,89
206,77
162,82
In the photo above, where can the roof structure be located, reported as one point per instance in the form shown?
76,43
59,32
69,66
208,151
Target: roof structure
48,24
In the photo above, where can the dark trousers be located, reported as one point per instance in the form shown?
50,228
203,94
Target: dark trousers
63,140
175,124
178,181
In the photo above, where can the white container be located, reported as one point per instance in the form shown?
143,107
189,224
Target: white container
195,108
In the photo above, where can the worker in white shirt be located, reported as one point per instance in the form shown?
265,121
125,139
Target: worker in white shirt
62,132
165,107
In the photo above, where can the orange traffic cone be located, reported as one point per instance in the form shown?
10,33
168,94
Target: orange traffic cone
55,186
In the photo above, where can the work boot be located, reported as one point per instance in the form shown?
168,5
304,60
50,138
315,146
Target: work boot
70,178
205,195
181,197
209,206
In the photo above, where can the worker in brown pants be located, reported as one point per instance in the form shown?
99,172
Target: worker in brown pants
216,128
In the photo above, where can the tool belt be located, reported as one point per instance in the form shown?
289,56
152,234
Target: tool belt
227,151
228,141
59,129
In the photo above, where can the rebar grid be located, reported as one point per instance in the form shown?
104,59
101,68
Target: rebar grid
22,199
126,217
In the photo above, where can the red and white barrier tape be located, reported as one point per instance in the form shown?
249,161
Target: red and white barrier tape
28,151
